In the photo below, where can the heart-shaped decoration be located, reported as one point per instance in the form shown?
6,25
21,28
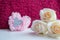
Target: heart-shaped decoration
18,23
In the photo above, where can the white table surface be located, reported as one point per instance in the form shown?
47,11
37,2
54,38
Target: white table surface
24,35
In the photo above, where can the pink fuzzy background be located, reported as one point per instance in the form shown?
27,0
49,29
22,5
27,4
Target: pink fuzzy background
25,7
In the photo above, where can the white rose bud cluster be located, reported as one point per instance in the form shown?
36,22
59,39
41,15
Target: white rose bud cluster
48,25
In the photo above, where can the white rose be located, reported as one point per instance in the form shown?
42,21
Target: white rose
47,15
39,26
54,28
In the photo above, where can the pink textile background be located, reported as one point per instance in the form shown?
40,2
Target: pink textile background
25,7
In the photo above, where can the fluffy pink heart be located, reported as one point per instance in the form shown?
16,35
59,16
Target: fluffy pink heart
18,23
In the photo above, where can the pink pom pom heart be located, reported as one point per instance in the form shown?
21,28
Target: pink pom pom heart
18,23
